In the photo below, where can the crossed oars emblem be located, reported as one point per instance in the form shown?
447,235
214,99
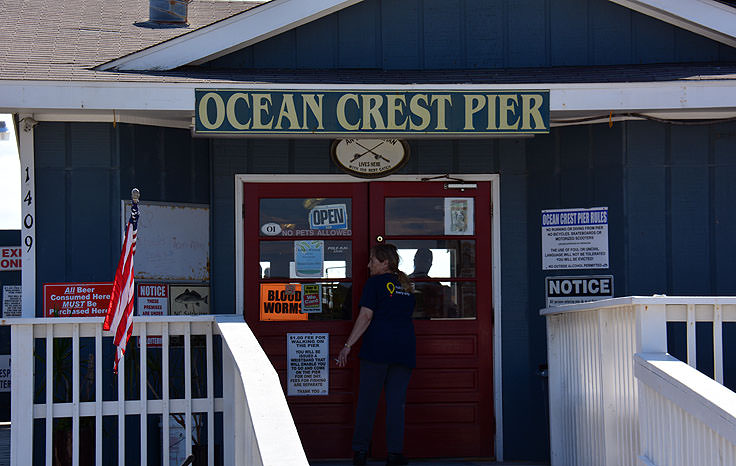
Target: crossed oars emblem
377,156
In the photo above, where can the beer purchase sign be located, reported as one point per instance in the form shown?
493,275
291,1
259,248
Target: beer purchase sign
366,112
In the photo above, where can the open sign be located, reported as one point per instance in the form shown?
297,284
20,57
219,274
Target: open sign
329,217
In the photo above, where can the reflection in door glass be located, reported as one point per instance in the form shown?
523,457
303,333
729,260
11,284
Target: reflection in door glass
429,216
440,300
436,258
278,260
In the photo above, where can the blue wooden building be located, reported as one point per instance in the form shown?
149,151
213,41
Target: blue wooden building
636,117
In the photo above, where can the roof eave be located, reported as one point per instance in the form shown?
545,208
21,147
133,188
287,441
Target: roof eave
707,18
228,35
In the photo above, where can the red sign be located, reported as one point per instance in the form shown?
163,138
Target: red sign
10,259
76,299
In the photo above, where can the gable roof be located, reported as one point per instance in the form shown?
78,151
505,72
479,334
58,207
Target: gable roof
252,26
52,48
709,18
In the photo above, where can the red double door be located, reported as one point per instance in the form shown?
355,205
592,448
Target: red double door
444,239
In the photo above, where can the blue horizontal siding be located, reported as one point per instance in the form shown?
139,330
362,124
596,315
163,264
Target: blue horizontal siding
466,34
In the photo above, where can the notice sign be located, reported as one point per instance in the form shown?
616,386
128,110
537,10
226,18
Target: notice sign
575,239
153,300
281,301
308,372
10,259
4,373
12,295
76,299
577,289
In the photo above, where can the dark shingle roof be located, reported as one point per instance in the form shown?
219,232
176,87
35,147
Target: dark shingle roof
63,40
52,40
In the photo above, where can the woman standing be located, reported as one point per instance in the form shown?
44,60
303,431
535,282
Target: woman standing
387,355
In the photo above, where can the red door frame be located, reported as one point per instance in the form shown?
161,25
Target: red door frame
343,383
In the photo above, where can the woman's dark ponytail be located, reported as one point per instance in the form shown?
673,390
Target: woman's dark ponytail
389,252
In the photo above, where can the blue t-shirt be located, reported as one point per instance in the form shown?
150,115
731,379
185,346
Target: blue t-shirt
390,336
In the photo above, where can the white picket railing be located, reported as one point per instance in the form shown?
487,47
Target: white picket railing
686,417
596,415
257,425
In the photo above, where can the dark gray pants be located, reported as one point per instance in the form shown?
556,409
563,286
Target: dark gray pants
374,377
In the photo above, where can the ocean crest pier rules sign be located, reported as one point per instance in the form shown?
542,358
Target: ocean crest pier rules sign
575,239
362,112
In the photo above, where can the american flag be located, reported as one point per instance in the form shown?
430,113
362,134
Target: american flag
120,310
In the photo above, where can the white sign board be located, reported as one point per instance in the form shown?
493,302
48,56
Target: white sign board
173,241
575,239
577,289
4,373
12,299
308,358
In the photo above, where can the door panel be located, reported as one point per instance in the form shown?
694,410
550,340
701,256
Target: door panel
443,237
452,381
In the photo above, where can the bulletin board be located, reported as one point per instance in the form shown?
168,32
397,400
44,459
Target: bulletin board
173,241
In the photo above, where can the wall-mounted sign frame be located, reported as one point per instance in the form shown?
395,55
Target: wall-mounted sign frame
369,158
370,112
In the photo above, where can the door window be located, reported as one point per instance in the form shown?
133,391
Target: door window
442,268
299,252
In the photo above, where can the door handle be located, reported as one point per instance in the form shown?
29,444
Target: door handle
379,239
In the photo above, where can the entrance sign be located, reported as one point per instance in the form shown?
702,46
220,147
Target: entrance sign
577,289
307,359
76,299
370,158
10,258
329,217
281,301
12,301
575,239
352,113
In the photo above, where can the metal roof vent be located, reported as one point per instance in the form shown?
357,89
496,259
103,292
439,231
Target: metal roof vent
168,11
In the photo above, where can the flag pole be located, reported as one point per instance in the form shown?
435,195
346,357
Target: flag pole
119,317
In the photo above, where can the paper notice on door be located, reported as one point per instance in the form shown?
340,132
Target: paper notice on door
309,258
459,216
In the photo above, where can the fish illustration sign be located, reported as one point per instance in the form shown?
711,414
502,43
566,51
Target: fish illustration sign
189,300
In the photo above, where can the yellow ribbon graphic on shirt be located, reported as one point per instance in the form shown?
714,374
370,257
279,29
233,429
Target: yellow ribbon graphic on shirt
391,288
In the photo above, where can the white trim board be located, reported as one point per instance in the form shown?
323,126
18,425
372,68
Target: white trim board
696,95
495,259
233,33
705,17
